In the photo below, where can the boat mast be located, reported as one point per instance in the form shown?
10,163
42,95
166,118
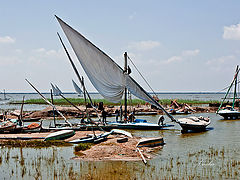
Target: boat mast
235,76
125,90
235,87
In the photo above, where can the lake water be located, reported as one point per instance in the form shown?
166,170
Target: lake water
28,107
214,154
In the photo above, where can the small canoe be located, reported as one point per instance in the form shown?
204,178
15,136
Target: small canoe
60,135
151,142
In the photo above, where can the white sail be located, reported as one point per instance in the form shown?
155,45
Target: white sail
56,90
77,88
106,76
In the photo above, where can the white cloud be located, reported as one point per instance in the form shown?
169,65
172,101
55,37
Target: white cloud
221,60
232,32
7,39
173,59
185,55
143,45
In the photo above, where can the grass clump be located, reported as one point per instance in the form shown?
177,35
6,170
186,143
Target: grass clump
83,147
34,143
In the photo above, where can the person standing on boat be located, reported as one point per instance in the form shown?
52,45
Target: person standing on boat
104,116
131,117
121,112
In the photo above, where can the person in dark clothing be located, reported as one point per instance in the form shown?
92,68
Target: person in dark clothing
121,113
104,116
131,117
117,112
160,121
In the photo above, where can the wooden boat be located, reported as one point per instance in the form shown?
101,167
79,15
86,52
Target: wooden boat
33,127
229,112
193,123
10,126
138,124
31,119
99,138
151,142
92,138
60,135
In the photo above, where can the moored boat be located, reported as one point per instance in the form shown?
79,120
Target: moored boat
230,112
138,124
151,142
60,135
91,138
193,123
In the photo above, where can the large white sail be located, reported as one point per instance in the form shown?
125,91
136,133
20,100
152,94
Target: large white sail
105,75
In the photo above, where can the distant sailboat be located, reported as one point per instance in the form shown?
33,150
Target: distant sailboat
4,96
107,77
77,88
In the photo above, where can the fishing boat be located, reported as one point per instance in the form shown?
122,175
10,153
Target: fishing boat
139,124
33,127
92,138
193,123
230,111
151,142
109,79
99,138
60,135
4,96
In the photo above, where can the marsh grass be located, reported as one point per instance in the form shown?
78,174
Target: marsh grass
34,143
49,163
78,101
83,146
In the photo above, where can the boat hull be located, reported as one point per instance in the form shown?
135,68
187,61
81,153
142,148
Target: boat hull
193,124
230,115
151,142
60,135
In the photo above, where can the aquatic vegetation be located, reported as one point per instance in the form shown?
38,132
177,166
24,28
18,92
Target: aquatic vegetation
83,146
78,101
34,143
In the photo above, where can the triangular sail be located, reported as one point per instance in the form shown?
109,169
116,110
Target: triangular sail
77,88
105,75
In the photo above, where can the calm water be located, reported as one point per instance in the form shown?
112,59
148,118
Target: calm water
214,154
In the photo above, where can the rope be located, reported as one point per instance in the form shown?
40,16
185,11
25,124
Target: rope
142,76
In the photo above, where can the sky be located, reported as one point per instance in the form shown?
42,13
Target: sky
178,46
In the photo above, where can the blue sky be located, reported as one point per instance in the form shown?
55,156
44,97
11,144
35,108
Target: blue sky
177,45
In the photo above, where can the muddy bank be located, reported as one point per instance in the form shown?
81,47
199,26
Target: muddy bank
71,112
107,150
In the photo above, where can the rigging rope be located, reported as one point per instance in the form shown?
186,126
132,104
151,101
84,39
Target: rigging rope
142,76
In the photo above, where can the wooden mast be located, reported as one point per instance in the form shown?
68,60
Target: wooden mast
235,88
125,90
